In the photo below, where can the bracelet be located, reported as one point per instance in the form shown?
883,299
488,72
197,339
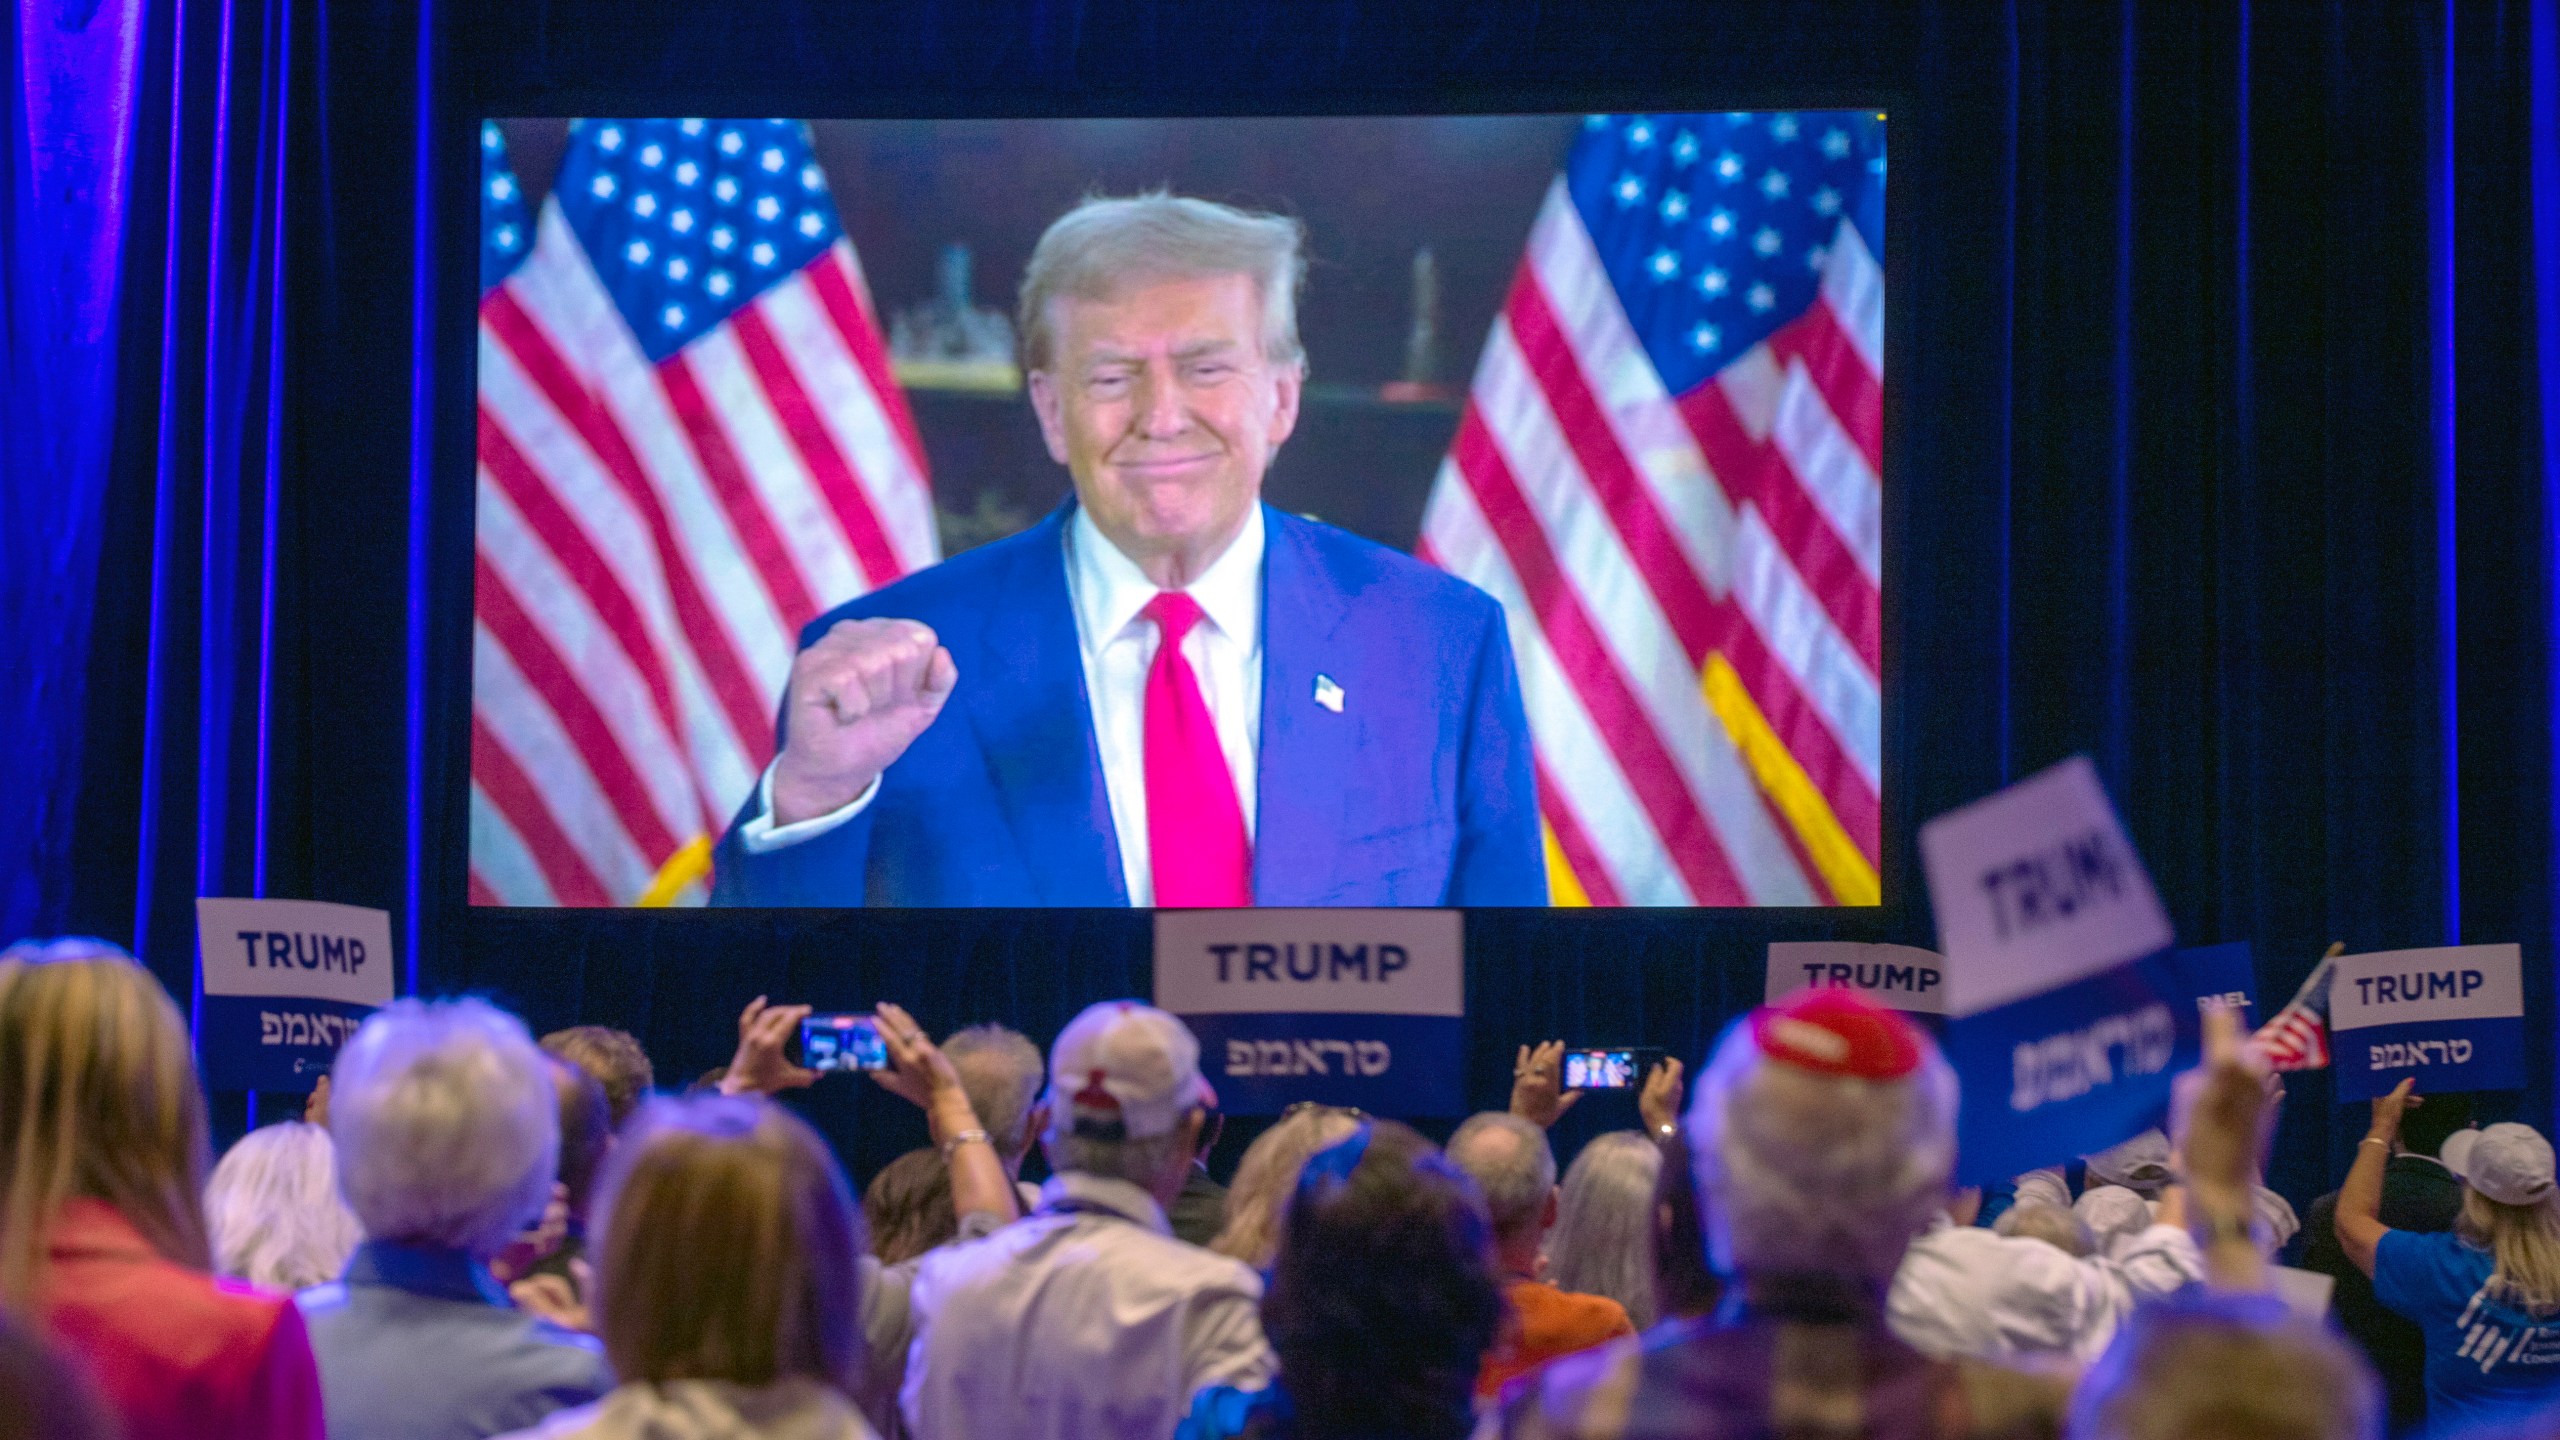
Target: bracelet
2375,1140
963,1138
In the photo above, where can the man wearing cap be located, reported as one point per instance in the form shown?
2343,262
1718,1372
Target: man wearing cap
2486,1296
1822,1137
1089,1318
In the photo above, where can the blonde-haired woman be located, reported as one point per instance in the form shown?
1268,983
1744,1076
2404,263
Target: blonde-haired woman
727,1289
102,1231
2486,1297
1267,1175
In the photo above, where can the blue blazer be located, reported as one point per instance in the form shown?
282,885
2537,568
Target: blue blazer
1419,791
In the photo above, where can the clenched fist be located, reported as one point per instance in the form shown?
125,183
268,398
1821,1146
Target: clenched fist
858,698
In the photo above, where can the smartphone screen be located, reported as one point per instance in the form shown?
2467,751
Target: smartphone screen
842,1042
1600,1069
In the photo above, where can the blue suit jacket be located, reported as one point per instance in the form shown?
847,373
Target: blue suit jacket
1418,792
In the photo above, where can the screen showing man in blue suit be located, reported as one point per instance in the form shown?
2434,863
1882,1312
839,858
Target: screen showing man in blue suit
1167,692
1344,509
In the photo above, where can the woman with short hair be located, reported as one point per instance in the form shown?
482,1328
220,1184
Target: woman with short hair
102,1227
275,1212
2486,1296
727,1290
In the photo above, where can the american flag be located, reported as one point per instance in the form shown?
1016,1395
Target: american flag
1669,473
2298,1037
690,445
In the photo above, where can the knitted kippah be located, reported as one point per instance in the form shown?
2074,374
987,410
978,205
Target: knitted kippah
1831,1031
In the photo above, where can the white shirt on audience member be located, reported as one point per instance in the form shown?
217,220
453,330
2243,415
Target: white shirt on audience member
1086,1320
1966,1291
1118,645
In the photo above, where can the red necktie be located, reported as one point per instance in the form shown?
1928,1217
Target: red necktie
1195,826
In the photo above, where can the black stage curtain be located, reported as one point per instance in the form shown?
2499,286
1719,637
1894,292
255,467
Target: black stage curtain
2215,441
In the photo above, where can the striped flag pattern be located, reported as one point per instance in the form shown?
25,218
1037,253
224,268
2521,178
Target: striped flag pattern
1669,473
2298,1037
690,445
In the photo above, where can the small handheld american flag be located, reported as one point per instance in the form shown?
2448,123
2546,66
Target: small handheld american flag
2298,1037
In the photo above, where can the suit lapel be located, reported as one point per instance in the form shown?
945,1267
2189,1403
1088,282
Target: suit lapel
1035,725
1306,749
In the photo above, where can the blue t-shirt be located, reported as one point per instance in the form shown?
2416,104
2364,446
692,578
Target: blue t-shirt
2487,1360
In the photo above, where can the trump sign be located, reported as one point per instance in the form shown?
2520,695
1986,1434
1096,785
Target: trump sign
285,983
2066,1018
1342,1007
2450,1018
1898,977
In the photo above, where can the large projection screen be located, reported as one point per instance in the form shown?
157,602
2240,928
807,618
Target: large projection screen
1537,559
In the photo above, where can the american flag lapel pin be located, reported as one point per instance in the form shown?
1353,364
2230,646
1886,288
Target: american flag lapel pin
1328,694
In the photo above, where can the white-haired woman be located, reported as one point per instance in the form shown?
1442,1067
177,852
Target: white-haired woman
448,1138
2486,1296
274,1210
1603,1240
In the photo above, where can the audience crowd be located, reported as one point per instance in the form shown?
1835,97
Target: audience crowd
474,1232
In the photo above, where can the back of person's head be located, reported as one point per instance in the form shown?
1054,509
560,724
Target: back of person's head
1384,1295
2424,1126
447,1125
2511,1208
908,1206
1001,1072
98,1101
727,1249
274,1210
1603,1240
2055,1225
1822,1135
43,1396
2207,1365
2113,1215
586,1131
1513,1166
1684,1284
1267,1175
614,1057
1125,1094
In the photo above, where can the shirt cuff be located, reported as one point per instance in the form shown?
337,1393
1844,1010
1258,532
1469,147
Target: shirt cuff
760,836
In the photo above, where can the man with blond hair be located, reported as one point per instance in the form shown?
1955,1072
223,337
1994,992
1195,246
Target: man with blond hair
1168,692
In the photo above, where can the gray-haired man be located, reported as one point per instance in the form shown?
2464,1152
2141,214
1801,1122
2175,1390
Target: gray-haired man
1168,692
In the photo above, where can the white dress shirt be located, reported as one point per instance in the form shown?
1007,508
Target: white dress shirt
1118,645
1966,1291
1087,1321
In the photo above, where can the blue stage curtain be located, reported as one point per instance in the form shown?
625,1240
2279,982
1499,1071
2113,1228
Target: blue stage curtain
172,232
2218,452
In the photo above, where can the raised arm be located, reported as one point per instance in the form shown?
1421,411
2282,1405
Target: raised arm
922,1073
2359,1221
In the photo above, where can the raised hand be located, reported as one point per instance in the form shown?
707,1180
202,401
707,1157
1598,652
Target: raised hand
1537,1085
1659,1101
857,699
760,1067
